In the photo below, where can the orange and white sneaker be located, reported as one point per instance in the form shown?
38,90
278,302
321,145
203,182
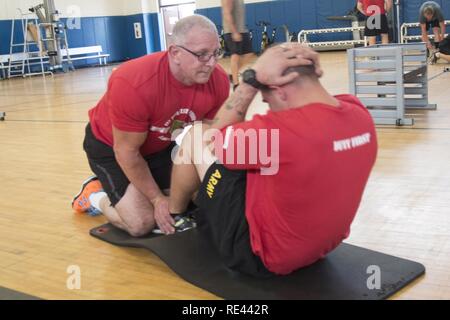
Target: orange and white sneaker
81,202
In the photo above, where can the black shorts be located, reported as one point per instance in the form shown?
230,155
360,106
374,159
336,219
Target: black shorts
240,48
221,217
382,28
433,24
444,46
114,181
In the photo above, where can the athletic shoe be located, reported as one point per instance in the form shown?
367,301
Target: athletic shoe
81,202
432,59
182,223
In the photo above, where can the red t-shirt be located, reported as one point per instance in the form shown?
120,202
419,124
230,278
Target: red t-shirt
144,96
303,209
370,11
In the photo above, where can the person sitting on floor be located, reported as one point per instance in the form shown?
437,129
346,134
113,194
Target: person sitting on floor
279,192
443,52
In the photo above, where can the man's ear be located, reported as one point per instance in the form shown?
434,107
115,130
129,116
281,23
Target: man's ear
279,92
174,53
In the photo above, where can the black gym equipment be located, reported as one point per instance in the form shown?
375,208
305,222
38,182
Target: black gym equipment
265,40
346,273
222,41
8,294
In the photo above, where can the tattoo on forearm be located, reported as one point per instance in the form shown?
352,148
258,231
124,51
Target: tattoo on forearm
240,102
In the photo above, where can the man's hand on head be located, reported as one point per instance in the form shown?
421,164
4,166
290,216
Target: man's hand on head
271,66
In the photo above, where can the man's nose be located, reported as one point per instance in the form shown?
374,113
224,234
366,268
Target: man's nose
212,61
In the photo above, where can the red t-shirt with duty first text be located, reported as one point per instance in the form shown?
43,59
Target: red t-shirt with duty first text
316,160
144,96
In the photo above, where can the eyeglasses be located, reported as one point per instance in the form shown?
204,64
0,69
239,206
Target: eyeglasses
204,57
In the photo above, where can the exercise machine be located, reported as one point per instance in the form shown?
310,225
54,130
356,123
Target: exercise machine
267,41
55,36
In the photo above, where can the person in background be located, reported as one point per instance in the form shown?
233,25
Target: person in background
377,22
236,36
431,17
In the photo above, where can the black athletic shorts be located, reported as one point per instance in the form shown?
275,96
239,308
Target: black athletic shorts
383,28
444,46
433,24
221,217
114,181
240,48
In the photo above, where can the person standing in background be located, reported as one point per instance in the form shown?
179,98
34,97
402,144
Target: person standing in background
377,22
237,37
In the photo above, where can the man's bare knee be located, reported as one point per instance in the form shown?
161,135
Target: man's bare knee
136,212
140,226
138,222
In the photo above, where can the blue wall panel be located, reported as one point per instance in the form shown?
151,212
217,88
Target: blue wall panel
5,35
75,37
215,14
153,40
445,4
101,32
114,33
136,47
277,19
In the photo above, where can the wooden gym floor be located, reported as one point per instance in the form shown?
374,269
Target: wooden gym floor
405,210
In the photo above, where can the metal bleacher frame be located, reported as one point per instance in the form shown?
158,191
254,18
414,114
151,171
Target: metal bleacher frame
335,45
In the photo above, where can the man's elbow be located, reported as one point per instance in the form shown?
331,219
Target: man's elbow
125,156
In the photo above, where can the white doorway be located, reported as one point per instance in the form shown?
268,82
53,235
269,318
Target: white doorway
171,12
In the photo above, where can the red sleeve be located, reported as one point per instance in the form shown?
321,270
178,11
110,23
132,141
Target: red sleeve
222,91
128,112
249,145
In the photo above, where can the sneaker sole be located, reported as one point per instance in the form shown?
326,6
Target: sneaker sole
85,183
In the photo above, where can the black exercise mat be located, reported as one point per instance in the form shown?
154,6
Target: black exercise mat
8,294
343,274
